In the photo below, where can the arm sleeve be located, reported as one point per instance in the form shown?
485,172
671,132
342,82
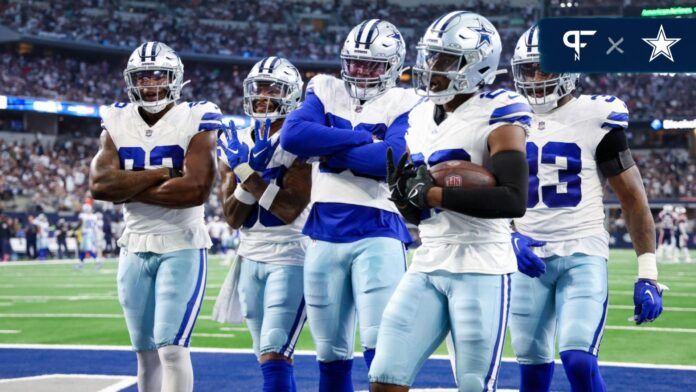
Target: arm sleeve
613,155
305,134
370,159
507,200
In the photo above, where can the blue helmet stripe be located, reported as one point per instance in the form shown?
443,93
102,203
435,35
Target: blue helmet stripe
143,50
368,40
263,64
153,52
357,36
448,21
273,64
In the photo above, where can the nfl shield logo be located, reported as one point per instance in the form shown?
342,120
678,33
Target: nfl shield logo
542,125
453,181
148,133
358,109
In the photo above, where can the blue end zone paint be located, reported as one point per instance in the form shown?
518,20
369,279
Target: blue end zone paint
240,372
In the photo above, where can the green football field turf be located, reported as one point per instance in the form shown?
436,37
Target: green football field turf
58,304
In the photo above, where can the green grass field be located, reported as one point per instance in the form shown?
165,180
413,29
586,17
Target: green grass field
57,304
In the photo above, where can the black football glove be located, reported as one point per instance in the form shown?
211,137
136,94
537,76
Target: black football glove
397,177
417,188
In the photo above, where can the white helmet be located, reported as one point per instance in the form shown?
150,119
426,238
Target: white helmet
276,80
680,210
154,60
462,46
372,58
543,95
86,208
668,208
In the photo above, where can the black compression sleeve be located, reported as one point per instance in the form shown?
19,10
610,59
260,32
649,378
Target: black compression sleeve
613,155
507,200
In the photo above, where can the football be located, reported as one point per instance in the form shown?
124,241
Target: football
462,174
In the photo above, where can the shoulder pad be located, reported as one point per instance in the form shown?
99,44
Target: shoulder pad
207,115
507,107
612,112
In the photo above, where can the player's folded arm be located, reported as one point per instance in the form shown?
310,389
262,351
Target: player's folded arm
237,204
193,187
306,134
107,181
370,159
508,163
288,202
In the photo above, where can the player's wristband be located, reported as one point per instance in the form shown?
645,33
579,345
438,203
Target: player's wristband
243,171
268,196
647,266
243,196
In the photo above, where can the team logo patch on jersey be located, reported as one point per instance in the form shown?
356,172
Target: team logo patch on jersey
148,133
542,125
453,181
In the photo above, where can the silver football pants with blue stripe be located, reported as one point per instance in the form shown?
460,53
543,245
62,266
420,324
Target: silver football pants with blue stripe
342,279
569,301
273,305
425,307
161,295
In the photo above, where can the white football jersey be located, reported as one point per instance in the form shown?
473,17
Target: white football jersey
151,228
463,135
667,220
88,224
263,236
565,186
342,112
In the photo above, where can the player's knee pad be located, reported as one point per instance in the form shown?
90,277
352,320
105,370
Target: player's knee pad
369,336
328,353
470,382
275,338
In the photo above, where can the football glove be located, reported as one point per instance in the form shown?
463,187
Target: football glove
397,177
527,262
647,300
234,152
417,188
263,149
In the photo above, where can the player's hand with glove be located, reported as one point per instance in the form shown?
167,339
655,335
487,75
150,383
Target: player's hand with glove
235,153
527,262
397,175
647,293
647,300
417,188
263,149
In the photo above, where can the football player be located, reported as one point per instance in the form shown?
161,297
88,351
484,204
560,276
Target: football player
682,234
158,156
459,278
265,192
356,256
575,144
667,242
87,224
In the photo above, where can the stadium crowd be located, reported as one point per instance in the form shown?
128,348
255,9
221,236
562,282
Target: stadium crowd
286,29
100,81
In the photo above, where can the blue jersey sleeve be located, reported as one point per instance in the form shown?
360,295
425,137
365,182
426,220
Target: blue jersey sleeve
371,159
306,134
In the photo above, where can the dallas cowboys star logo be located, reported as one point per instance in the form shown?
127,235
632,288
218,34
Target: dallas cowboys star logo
484,34
661,45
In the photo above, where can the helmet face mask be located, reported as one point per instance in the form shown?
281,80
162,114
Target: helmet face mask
154,76
439,74
272,90
372,59
542,90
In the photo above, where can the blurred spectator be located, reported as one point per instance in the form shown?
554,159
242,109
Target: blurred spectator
62,239
30,234
6,233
